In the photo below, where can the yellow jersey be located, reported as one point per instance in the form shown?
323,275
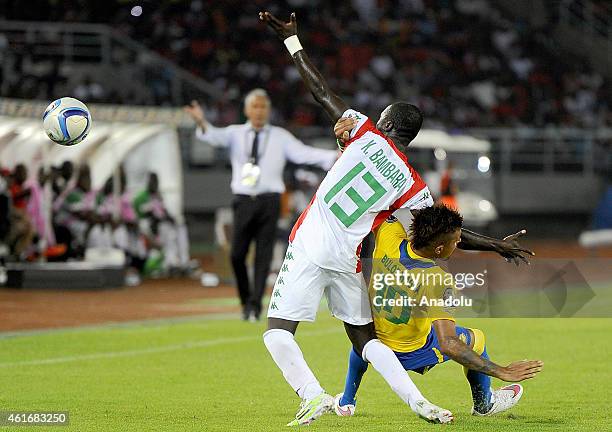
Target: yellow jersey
403,313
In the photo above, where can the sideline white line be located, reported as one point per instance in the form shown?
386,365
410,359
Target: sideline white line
155,350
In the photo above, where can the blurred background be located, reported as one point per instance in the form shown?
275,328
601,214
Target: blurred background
517,99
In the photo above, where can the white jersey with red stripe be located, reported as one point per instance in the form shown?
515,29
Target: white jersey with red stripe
367,183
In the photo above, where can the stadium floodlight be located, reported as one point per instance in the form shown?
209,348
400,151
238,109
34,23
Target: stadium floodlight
484,163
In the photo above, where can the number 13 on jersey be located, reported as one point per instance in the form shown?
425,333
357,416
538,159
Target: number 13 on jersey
362,204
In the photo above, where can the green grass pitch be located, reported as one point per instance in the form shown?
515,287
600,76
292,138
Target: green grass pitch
215,375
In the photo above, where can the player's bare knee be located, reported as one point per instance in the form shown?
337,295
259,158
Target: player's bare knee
282,324
360,335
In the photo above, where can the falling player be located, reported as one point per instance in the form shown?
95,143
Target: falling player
423,334
369,181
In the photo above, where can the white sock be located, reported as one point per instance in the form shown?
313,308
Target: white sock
386,363
289,358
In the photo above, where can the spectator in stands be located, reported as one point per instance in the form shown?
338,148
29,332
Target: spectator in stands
149,205
62,181
448,188
128,236
101,233
3,59
19,193
118,226
89,91
62,178
76,213
52,79
433,52
162,230
5,211
36,207
22,229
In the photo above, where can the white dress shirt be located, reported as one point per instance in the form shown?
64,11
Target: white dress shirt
276,146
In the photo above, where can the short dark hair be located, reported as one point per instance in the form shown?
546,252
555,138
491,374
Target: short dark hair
407,120
431,223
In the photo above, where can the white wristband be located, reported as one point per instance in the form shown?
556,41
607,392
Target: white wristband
293,44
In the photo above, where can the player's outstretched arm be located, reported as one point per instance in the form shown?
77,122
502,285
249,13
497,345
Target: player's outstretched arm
508,247
196,112
287,32
459,351
217,137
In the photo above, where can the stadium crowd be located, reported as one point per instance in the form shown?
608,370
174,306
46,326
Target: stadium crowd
461,61
82,218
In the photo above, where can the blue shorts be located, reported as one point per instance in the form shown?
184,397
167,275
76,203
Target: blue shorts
429,355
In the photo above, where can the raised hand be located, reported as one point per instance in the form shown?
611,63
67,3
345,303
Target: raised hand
512,251
343,128
283,30
196,112
314,81
520,370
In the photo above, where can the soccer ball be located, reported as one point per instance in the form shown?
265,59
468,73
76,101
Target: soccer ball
67,121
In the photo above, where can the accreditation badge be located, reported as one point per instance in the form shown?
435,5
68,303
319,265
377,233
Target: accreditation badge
250,174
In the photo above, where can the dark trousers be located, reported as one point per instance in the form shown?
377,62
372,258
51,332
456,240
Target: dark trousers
255,218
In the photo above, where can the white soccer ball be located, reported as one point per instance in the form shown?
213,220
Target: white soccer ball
67,121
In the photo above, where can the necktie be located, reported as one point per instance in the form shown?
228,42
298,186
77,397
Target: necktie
255,149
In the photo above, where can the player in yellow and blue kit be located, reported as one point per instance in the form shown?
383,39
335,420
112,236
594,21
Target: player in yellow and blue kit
414,321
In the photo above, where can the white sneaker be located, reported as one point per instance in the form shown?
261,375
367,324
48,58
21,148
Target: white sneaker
343,410
312,409
503,399
432,413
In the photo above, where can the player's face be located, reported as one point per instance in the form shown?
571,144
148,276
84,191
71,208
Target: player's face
258,111
451,244
381,119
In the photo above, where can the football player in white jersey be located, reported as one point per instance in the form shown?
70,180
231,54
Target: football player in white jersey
369,181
